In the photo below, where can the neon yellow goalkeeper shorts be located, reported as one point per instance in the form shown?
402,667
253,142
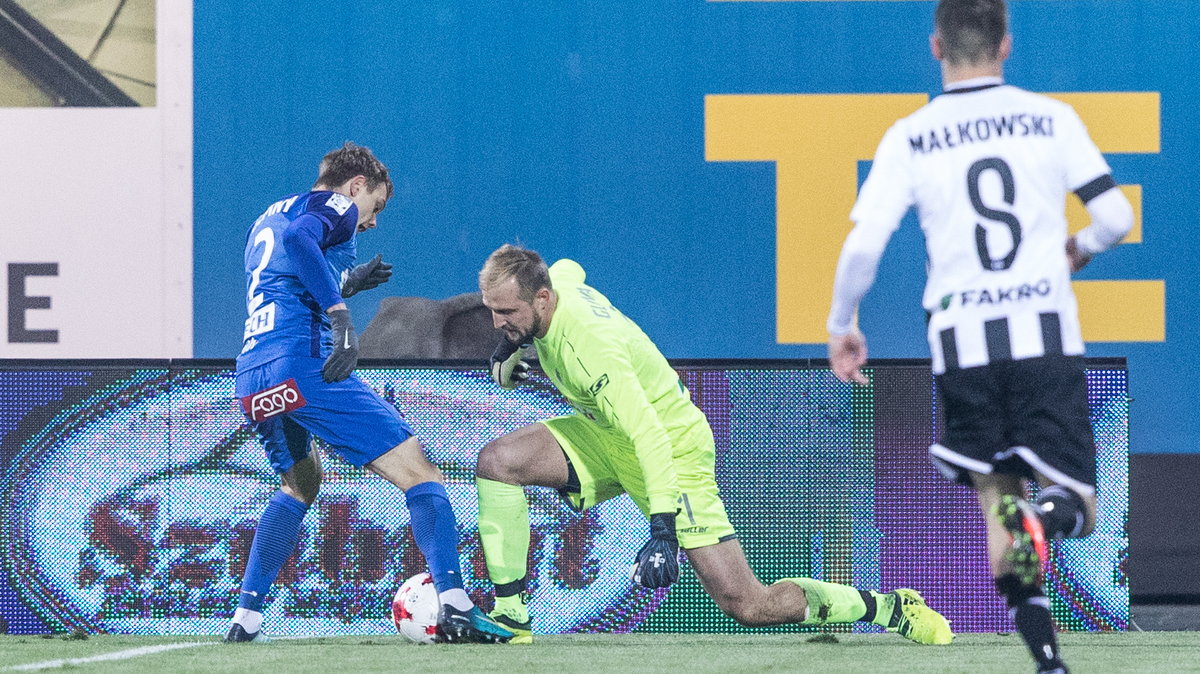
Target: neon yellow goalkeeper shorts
607,467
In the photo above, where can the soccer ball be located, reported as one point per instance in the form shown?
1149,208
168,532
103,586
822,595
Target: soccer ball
415,609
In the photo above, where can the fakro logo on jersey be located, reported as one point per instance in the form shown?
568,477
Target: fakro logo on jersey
273,401
1005,295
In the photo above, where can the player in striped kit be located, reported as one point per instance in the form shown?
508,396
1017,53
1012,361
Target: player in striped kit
988,166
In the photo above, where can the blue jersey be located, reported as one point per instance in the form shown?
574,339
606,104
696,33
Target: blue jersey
297,253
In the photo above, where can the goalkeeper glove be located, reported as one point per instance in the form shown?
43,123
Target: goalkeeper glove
507,368
366,276
344,358
657,563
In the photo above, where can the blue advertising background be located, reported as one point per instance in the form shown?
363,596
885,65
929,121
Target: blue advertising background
578,129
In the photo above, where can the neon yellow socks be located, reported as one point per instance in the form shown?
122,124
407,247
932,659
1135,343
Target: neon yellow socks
504,531
834,603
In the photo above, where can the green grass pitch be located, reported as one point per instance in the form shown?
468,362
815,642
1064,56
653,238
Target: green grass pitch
852,653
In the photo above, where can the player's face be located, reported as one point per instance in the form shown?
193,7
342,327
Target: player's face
370,203
520,321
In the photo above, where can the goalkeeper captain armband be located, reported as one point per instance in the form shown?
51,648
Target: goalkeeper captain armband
657,563
507,367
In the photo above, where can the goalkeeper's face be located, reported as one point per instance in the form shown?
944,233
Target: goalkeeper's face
520,320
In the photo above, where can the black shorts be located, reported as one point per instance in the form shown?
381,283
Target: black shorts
1017,417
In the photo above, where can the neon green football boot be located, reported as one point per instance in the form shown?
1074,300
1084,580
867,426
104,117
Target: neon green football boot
1028,552
513,614
912,619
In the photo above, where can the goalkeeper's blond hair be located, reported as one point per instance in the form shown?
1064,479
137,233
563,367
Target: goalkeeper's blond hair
524,265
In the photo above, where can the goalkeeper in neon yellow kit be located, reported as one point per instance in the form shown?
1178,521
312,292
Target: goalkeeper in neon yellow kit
636,431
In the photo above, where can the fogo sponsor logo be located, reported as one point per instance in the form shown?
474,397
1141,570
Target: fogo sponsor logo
273,401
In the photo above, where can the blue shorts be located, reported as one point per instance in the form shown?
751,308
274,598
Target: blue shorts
288,402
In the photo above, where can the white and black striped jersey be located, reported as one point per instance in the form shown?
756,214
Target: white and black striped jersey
987,167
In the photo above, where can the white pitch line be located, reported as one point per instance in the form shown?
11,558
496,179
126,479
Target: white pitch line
131,653
116,655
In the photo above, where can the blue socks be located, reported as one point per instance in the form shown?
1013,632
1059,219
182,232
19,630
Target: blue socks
435,532
274,541
433,527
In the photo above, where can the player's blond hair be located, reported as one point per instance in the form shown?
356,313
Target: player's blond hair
524,265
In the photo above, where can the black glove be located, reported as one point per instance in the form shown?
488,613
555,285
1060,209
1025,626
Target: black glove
344,358
506,366
366,276
657,563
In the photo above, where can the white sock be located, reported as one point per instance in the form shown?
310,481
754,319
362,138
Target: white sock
249,620
457,598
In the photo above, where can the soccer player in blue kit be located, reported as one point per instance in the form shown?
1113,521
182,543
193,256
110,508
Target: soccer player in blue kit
294,380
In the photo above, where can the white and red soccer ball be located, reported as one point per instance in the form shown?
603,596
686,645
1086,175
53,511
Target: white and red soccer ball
415,609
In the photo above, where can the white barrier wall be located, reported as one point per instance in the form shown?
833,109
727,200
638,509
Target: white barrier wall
96,223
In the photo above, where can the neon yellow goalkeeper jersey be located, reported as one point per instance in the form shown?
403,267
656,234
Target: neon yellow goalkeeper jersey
610,372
